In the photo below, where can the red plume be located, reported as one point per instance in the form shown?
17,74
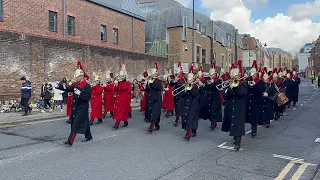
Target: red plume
254,64
240,67
265,69
244,72
213,65
79,64
156,65
191,68
280,70
274,71
294,69
201,69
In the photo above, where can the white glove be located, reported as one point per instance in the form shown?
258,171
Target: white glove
166,89
116,82
265,94
151,81
77,91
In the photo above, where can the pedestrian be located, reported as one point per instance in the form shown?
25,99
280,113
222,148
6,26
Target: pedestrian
123,98
26,90
295,87
108,96
65,94
80,107
154,89
58,98
312,79
46,94
235,107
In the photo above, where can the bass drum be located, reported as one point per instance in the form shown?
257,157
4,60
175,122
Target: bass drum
282,99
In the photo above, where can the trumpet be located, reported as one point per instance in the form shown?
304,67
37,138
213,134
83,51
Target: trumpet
186,86
233,82
251,83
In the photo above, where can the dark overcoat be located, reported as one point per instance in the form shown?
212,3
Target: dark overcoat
269,103
295,89
154,100
178,102
255,103
190,109
287,83
80,106
211,104
235,110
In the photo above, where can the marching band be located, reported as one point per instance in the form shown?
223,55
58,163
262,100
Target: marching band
257,98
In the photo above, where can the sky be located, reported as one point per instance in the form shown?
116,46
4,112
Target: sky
285,24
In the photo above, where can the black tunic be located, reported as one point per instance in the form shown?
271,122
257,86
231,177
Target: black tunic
211,104
287,83
295,89
255,103
80,107
178,102
269,103
235,110
190,115
154,100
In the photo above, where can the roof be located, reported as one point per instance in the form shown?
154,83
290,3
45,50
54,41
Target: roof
128,7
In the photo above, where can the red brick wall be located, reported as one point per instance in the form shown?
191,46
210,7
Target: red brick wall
39,58
32,17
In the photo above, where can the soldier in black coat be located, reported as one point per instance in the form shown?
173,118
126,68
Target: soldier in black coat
211,104
269,100
287,83
235,109
178,102
255,102
80,107
154,99
190,112
295,88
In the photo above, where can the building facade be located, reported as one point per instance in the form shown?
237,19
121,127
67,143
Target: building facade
281,58
250,51
314,60
46,43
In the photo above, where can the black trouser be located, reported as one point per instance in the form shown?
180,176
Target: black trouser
268,121
87,135
237,140
45,103
25,105
254,128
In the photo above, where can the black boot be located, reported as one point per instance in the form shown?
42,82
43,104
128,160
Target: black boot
294,104
86,140
130,115
125,123
253,134
99,121
69,121
151,128
194,133
267,125
157,127
116,125
167,114
111,113
236,148
25,114
68,143
172,113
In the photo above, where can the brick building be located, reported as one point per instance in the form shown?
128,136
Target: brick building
314,59
281,58
43,39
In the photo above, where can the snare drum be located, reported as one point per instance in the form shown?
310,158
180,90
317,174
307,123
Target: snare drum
282,99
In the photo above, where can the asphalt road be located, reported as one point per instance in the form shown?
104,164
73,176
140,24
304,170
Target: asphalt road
286,150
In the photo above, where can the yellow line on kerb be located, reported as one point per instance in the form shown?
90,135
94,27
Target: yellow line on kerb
285,171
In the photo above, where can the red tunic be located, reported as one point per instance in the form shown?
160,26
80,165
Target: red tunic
169,99
122,105
164,99
143,102
96,96
69,103
129,97
109,97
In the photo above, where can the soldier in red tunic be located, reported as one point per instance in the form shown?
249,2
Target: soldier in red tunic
169,97
108,96
122,106
144,95
96,96
69,104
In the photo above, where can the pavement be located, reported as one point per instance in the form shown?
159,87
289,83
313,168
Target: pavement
286,150
14,119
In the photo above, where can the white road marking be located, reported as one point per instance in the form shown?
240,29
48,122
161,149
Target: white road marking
304,85
284,114
248,132
305,102
308,99
222,146
301,104
294,108
317,140
288,158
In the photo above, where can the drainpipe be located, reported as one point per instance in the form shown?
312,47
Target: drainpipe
132,33
64,18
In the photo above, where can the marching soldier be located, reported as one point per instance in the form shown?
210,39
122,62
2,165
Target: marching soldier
80,106
288,85
144,95
235,106
96,98
268,98
278,80
295,87
122,89
169,97
154,89
69,103
108,96
211,105
190,111
179,81
255,100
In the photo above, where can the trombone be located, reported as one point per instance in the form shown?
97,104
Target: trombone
234,81
186,86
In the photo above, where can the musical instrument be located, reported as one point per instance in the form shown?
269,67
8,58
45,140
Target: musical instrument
234,83
181,82
186,86
280,97
251,83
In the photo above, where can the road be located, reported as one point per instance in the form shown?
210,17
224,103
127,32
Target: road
286,150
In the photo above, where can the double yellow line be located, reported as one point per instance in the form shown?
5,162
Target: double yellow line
297,174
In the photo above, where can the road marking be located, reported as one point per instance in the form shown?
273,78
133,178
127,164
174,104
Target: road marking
284,114
317,140
285,171
222,146
308,99
30,123
305,102
304,85
301,104
300,171
294,108
288,158
248,132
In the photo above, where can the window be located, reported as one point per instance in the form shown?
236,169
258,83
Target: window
147,7
71,29
103,32
198,54
198,26
204,30
215,36
283,64
184,30
1,16
203,56
284,59
52,21
115,36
